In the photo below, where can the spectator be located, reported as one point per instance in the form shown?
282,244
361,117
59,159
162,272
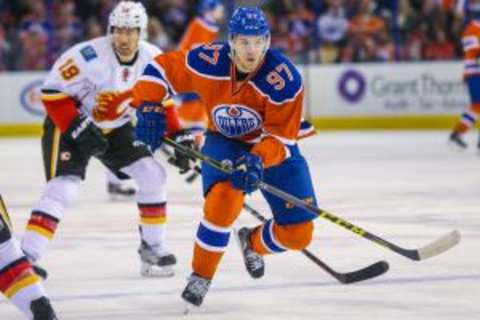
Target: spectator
33,41
4,50
384,47
413,48
302,26
333,25
158,36
364,26
65,30
328,30
281,39
365,23
332,28
440,48
93,29
176,18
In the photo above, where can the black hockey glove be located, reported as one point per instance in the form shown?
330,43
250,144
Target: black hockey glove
179,159
86,136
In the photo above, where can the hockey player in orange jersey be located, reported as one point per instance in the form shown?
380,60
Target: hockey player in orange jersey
471,49
254,99
204,28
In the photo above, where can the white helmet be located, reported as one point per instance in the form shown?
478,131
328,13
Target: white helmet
129,14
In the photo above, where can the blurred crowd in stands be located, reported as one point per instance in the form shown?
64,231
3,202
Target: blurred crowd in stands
330,31
33,33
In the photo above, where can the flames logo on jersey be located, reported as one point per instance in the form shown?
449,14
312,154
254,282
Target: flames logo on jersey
235,120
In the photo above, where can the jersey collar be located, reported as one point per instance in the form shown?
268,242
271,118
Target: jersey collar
128,63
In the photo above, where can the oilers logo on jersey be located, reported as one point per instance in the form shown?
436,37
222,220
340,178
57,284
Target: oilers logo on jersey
234,120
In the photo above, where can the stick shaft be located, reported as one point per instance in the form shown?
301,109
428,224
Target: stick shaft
411,254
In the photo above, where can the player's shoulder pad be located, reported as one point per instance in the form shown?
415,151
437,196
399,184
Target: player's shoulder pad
89,51
210,60
278,78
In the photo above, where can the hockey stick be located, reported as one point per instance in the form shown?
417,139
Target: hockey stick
190,178
178,100
431,250
369,272
5,216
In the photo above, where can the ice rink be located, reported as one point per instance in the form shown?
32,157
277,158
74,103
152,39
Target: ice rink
407,187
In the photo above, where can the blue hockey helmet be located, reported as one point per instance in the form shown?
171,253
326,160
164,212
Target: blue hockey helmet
208,5
249,21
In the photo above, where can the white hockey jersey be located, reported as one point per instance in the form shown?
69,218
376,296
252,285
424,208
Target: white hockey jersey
90,68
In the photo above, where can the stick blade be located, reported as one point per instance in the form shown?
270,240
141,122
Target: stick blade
439,246
369,272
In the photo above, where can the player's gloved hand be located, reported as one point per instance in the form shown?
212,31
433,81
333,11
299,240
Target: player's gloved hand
248,173
181,160
151,124
86,136
111,105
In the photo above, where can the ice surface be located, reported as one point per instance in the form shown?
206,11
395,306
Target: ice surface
407,187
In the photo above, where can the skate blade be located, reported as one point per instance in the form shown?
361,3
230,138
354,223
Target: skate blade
115,197
188,308
153,271
456,147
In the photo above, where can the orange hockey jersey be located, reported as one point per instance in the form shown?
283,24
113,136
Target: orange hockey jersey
198,32
471,48
264,109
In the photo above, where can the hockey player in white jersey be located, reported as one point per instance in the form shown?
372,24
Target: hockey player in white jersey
78,95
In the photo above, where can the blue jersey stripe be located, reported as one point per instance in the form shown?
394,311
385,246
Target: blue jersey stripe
211,237
267,238
151,71
469,118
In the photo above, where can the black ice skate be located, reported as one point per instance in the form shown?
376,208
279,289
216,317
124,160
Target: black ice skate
42,310
455,140
118,191
155,262
253,261
195,291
